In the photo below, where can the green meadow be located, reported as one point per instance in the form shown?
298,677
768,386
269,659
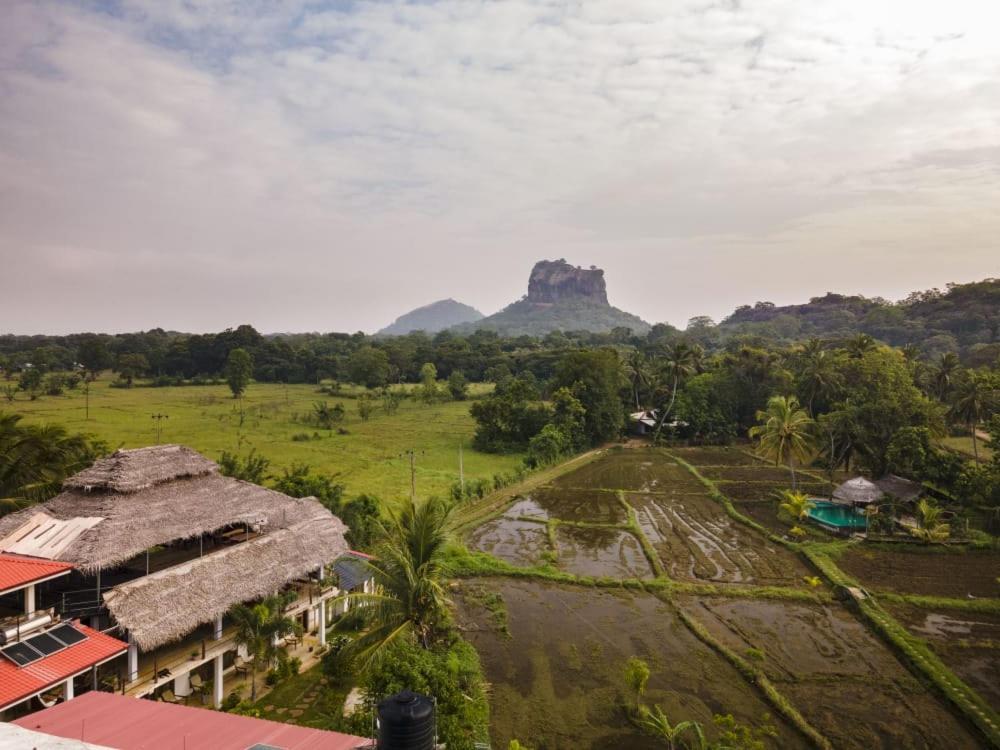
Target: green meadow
371,457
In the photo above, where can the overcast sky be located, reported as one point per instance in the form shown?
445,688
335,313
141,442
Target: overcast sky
197,164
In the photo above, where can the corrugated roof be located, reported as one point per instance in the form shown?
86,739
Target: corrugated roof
17,683
17,738
45,536
17,572
134,724
352,570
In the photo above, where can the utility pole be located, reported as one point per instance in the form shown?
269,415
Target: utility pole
412,454
159,424
86,396
461,469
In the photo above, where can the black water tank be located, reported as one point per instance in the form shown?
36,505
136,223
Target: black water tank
406,722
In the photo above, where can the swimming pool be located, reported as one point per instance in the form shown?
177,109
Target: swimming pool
837,517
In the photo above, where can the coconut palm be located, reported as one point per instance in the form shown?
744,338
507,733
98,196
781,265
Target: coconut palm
945,371
786,434
258,628
794,505
34,459
636,368
858,346
971,400
409,567
681,362
817,375
931,527
656,723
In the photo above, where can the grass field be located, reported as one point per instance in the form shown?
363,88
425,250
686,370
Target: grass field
964,445
370,458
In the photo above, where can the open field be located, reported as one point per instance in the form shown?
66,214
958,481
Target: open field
964,445
761,635
367,459
846,682
557,679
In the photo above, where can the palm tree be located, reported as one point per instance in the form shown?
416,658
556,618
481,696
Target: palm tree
786,433
818,377
409,567
637,374
794,505
944,374
35,459
681,362
656,723
858,346
931,526
258,628
972,398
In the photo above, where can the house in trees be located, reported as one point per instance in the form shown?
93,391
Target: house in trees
162,546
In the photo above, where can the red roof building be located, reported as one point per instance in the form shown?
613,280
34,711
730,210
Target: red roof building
16,571
19,683
117,721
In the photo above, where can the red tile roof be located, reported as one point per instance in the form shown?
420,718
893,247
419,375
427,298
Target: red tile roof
17,571
135,724
18,683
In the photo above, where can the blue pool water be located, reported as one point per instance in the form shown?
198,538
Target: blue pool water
837,516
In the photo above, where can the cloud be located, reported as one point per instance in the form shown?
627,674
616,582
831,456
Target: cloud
308,165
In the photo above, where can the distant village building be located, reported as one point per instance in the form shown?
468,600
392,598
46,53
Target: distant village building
158,546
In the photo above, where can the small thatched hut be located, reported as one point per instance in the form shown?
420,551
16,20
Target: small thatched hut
861,491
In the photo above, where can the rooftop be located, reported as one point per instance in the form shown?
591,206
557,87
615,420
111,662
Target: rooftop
18,683
16,571
132,724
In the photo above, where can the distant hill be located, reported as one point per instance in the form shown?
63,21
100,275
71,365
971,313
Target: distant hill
962,318
560,297
432,318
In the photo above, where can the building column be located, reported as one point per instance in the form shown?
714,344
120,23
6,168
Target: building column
322,623
29,599
310,619
217,682
218,628
133,659
68,690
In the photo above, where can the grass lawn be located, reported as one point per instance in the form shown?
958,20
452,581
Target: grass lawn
370,458
964,445
308,699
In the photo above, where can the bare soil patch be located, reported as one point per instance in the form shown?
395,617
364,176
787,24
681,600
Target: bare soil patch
845,682
515,541
716,456
594,506
697,541
645,470
936,572
556,682
738,491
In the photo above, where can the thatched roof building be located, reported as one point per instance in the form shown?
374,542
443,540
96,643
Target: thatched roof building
861,491
137,499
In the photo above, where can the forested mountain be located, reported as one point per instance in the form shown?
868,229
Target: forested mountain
964,318
560,297
432,318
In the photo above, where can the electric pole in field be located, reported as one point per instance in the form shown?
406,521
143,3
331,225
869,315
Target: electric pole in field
461,469
412,455
159,424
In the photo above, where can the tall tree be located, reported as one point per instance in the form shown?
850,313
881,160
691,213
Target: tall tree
239,370
785,433
975,394
258,628
945,371
679,363
409,567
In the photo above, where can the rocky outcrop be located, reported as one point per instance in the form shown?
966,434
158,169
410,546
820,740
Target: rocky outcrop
555,280
432,318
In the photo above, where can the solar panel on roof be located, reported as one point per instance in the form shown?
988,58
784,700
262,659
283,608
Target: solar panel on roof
21,653
259,746
67,634
45,644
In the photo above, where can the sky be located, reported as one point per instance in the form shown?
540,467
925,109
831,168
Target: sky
327,166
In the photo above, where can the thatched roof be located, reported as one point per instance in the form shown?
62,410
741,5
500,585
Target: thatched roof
862,491
138,469
165,606
167,510
857,490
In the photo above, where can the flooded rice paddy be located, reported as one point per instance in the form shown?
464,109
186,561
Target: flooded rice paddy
557,680
845,681
557,677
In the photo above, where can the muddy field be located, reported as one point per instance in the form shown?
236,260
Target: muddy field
755,491
511,539
716,456
937,573
969,643
697,541
591,505
636,470
841,678
601,553
556,681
